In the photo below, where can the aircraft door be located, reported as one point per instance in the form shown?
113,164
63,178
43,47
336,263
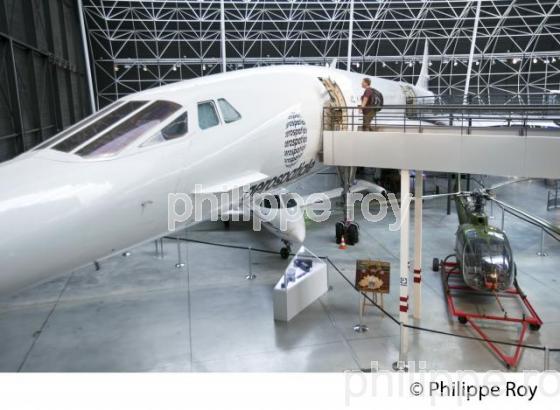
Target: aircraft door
410,101
335,118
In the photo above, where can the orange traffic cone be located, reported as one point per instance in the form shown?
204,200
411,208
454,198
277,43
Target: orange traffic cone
342,243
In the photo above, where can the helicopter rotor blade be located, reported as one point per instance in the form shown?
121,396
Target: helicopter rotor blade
437,196
506,183
550,228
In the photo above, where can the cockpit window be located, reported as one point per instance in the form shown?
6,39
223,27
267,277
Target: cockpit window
86,121
492,252
292,203
207,115
229,113
176,129
130,130
98,125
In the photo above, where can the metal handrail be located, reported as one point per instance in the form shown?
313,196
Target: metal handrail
418,117
552,230
546,98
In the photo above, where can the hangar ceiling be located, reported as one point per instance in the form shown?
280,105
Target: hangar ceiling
138,44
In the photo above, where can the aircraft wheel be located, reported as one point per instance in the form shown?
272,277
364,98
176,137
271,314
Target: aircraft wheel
285,253
435,265
462,320
353,233
339,231
534,326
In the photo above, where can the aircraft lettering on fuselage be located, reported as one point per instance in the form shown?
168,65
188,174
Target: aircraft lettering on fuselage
268,184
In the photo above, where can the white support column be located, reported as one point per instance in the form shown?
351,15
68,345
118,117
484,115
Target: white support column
350,36
223,34
471,55
405,226
88,66
418,205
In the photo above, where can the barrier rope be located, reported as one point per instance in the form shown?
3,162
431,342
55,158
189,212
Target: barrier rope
387,314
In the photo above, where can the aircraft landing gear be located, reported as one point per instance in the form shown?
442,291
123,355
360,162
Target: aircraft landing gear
286,250
350,230
347,227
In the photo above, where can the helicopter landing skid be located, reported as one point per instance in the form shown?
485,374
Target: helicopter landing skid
454,287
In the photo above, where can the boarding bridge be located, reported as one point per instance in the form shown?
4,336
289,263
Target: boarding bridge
522,141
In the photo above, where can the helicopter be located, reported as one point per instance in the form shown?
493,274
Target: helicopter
483,251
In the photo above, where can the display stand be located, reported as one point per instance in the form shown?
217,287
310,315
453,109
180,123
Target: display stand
455,287
298,288
377,298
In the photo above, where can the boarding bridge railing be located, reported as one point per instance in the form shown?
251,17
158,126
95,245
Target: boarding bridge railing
520,119
501,99
512,140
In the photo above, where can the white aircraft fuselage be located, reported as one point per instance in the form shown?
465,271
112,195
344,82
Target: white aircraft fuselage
63,210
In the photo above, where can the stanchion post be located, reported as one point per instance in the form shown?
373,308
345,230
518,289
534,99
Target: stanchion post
329,286
250,275
180,264
546,359
158,243
541,252
361,327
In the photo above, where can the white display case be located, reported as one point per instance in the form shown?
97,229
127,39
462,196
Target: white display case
299,287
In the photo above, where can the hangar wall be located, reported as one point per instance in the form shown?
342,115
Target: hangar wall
42,80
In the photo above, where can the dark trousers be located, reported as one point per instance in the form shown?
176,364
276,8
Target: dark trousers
367,119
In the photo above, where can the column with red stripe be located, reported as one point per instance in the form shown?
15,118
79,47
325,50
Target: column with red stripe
418,193
401,364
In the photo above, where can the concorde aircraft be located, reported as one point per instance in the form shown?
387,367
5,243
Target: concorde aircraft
102,185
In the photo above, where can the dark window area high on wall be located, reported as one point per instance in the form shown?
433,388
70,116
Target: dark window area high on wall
42,80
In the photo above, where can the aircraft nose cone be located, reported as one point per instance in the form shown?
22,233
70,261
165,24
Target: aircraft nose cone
40,207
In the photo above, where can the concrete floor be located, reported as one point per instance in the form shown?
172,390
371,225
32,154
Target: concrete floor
140,313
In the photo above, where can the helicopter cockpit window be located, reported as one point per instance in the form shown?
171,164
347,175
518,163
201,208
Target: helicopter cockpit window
130,130
229,114
207,115
176,129
490,254
99,125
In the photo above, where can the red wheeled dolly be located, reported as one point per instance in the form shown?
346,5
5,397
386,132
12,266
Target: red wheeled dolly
454,287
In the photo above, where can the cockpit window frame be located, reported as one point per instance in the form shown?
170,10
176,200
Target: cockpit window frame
143,104
229,105
80,125
216,110
145,142
142,111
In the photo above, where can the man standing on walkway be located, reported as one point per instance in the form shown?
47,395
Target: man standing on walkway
366,105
